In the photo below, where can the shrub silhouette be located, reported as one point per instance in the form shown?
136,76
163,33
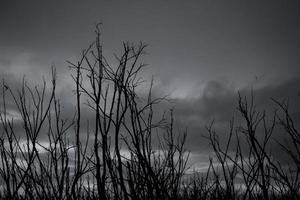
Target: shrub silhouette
83,160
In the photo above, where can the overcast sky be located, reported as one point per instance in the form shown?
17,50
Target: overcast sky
200,52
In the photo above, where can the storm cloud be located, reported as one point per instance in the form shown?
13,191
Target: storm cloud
200,53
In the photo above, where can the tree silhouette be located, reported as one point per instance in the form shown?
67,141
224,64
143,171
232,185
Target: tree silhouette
83,159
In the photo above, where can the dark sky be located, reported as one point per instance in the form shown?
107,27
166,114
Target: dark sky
200,52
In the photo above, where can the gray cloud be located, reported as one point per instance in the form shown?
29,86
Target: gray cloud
219,101
200,52
188,40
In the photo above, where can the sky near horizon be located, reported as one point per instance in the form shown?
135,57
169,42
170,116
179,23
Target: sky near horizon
200,52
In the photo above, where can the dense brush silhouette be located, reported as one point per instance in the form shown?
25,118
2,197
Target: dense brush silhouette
80,160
